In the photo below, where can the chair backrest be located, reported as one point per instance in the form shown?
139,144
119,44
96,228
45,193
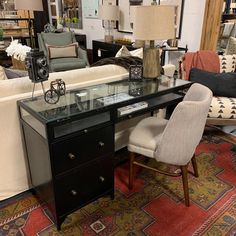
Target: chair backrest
56,39
185,127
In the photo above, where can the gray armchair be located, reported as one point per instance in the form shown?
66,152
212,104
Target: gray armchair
172,141
66,55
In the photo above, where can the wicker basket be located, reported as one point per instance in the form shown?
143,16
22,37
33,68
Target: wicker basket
17,64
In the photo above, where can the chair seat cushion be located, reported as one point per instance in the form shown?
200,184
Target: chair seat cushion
146,135
223,107
62,64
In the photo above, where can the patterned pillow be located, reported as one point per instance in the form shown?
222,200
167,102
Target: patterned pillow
231,46
227,63
124,52
222,107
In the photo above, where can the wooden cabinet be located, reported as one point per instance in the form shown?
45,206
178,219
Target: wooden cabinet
71,161
103,49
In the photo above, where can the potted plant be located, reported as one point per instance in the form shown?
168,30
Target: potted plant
2,45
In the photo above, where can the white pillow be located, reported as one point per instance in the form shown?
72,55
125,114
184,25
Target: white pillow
137,53
124,52
70,50
2,73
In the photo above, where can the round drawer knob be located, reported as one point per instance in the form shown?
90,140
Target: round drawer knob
73,192
85,131
101,178
71,156
129,116
101,144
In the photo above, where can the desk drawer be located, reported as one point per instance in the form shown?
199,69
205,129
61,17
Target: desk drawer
74,151
84,184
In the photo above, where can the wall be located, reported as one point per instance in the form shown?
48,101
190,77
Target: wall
191,26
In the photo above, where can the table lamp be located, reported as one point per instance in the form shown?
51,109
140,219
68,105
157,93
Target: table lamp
108,13
29,5
153,23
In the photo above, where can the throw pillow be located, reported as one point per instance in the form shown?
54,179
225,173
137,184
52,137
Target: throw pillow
2,73
124,52
70,50
12,74
221,84
231,46
227,63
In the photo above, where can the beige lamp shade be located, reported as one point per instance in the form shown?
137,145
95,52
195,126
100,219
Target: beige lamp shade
153,22
108,12
31,5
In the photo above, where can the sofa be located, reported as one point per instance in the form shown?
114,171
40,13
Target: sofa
14,177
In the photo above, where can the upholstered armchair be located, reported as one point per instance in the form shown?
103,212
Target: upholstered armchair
62,51
218,73
172,141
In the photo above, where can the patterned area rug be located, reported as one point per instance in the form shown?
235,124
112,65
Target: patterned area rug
154,207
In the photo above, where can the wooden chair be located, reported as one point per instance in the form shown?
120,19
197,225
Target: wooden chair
172,141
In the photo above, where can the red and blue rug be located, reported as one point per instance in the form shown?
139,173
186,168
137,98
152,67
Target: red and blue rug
154,207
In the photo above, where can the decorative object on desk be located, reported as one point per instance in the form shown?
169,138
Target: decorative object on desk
18,52
57,89
35,5
173,43
108,13
161,27
135,72
124,41
36,64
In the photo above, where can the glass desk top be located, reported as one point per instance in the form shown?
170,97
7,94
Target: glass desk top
99,97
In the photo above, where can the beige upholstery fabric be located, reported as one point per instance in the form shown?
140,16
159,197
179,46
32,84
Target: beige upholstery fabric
177,143
70,50
146,136
227,63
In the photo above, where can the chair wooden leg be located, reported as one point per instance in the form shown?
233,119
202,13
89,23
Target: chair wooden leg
184,172
131,170
194,163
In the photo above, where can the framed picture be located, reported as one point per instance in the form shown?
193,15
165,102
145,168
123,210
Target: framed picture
114,3
90,9
124,24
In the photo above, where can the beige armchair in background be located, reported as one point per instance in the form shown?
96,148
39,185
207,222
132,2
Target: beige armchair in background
172,141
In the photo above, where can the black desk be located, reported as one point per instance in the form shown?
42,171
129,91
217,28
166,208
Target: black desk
70,145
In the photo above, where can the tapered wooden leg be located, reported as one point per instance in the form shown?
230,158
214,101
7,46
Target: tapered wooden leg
184,172
194,163
131,170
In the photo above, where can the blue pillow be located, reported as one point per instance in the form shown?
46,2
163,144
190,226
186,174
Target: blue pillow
221,84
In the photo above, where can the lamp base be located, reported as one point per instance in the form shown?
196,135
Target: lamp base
151,63
108,38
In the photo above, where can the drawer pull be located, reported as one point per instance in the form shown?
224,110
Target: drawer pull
73,192
101,144
85,131
71,156
129,116
101,178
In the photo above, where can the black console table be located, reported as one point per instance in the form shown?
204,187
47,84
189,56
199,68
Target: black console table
70,145
102,49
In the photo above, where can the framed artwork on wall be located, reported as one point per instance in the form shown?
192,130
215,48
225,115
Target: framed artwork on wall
124,24
90,8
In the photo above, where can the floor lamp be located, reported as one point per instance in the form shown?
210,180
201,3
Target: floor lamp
153,23
29,5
